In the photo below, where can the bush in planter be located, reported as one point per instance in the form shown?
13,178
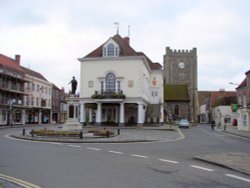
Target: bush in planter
101,132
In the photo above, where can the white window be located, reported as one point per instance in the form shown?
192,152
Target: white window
110,82
110,49
102,86
118,86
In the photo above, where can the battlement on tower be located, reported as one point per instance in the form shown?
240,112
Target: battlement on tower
174,52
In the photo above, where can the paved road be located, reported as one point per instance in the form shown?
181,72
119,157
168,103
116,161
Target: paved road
166,164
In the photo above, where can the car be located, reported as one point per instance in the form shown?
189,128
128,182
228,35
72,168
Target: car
183,123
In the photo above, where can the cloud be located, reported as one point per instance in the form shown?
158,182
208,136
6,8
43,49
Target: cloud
51,35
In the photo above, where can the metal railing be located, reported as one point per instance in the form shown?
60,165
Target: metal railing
108,95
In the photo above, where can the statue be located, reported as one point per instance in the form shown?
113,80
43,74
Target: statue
73,85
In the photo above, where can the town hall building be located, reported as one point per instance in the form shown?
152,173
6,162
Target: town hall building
120,86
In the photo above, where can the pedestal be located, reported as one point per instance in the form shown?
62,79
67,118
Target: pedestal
72,122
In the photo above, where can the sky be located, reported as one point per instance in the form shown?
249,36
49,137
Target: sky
50,35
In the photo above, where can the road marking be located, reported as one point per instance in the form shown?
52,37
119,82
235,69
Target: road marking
55,143
96,149
169,161
18,182
116,152
237,177
76,146
202,168
141,156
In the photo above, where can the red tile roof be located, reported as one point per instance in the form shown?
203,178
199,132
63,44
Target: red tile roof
10,63
34,73
125,50
213,96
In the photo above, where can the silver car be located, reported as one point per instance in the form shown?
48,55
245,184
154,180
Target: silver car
183,123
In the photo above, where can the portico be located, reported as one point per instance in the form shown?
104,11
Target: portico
112,113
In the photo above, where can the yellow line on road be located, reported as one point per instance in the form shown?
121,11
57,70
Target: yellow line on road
18,181
180,132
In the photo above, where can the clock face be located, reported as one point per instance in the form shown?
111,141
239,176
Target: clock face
181,65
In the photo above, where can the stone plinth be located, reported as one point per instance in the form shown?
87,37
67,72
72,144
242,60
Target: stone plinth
72,122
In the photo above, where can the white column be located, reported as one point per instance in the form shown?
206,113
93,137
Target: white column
99,114
39,117
82,113
23,117
116,115
1,113
162,114
140,120
90,116
121,122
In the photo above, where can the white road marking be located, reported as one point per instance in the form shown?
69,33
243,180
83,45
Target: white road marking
141,156
55,143
202,168
116,152
169,161
76,146
97,149
238,177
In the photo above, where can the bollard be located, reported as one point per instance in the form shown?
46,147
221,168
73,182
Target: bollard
118,131
81,137
107,134
225,127
23,132
32,133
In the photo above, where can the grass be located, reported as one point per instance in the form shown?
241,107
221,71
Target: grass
1,185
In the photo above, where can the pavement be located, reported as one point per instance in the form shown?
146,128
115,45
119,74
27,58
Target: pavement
237,161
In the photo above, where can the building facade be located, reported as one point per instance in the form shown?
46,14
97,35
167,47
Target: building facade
38,102
119,86
12,92
243,96
180,74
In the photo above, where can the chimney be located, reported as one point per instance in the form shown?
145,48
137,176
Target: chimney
126,39
17,58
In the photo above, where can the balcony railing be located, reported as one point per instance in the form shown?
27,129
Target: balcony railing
16,88
11,102
108,95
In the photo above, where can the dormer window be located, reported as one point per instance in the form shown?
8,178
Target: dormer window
110,49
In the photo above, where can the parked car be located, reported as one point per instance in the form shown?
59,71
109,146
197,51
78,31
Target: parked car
183,123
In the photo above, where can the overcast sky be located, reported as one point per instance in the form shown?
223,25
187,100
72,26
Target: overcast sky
51,34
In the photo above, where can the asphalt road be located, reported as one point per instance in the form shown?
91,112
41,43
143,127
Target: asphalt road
137,165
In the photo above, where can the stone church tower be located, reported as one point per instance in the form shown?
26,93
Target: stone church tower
180,71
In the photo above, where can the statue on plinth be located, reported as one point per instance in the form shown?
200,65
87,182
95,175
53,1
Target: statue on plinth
73,83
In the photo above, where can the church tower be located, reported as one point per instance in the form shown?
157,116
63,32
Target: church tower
180,69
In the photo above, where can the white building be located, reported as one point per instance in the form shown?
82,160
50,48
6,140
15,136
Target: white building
120,86
223,115
38,102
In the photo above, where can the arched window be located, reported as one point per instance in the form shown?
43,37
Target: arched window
176,110
111,50
110,82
